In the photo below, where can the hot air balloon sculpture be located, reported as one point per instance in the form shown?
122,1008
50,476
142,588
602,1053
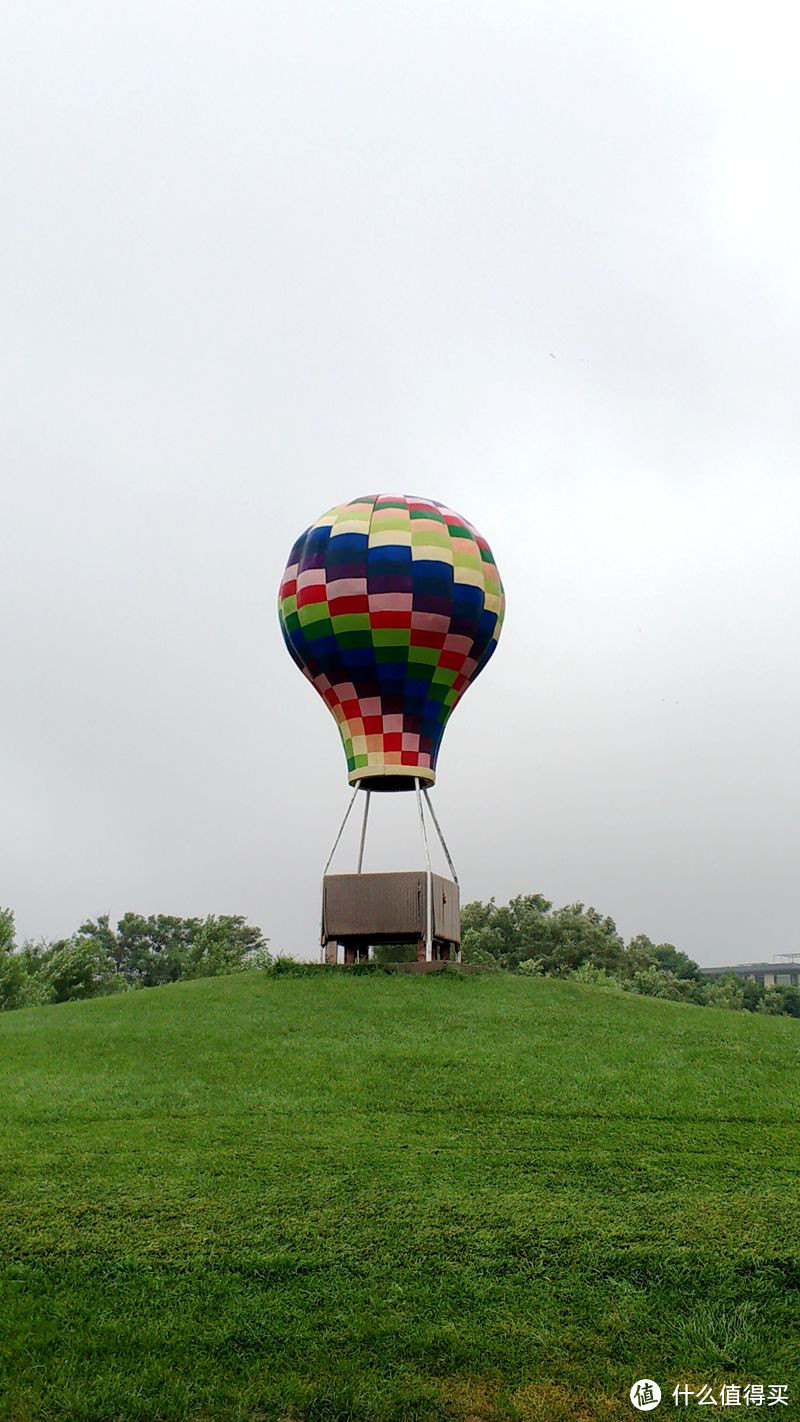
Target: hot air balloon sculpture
391,606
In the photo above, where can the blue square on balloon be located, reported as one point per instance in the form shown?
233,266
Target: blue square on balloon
389,570
392,673
314,547
356,658
347,552
417,688
431,579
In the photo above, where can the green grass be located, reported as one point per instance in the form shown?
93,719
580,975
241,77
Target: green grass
384,1199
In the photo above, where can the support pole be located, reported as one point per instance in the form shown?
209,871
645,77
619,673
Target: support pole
428,880
363,831
442,841
328,865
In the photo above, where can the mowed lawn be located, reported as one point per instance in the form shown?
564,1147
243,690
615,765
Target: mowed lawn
394,1198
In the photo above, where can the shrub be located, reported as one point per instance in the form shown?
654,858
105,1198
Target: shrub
596,977
531,967
726,992
652,982
286,967
480,957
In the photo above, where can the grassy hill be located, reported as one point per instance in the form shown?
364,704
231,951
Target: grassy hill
394,1198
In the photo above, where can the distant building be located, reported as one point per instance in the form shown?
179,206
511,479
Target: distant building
768,974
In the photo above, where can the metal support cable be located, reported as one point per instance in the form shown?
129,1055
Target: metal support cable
341,829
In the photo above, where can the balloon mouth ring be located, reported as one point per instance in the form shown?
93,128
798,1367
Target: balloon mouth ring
391,777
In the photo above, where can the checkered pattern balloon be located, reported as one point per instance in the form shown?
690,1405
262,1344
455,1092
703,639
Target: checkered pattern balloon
391,606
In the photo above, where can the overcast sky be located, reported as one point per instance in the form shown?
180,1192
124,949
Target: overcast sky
537,261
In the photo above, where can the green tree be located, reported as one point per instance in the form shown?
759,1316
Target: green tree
13,979
672,960
791,1000
99,931
6,931
33,956
76,968
154,950
752,994
527,928
583,935
508,934
227,944
162,948
639,955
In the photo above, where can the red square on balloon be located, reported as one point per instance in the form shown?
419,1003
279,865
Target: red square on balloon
315,592
453,661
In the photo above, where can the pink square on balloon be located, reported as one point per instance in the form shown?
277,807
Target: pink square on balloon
346,587
311,578
430,621
455,643
391,602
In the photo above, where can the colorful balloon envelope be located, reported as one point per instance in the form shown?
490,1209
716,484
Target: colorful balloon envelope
391,606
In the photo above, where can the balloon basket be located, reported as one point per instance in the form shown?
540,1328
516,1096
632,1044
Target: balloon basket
361,910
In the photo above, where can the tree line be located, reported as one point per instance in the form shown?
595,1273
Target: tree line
526,936
140,952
